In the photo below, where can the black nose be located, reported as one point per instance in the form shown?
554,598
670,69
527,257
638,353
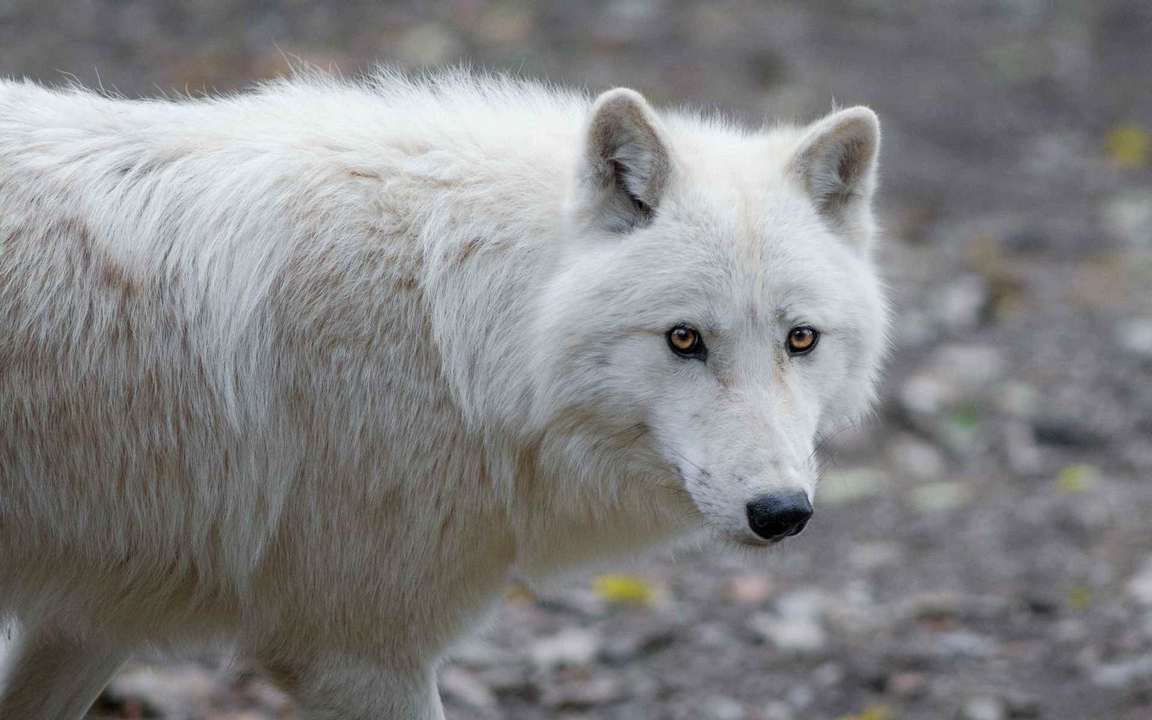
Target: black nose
773,517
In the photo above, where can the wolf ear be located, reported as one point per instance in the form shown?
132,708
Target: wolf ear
836,165
625,164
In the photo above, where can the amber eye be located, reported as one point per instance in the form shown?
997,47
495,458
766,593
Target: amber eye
801,339
686,342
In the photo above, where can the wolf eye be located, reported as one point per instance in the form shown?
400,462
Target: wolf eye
801,340
686,342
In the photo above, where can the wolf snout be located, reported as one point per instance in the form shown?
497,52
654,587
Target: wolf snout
779,515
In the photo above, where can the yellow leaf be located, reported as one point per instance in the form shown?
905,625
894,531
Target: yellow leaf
1077,478
872,712
624,589
1080,597
1128,146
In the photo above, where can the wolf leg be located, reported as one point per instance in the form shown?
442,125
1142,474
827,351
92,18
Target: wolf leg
345,689
53,677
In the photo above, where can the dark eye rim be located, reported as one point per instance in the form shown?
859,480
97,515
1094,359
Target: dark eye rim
698,351
803,351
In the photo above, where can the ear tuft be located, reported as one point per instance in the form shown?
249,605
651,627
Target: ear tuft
626,161
836,165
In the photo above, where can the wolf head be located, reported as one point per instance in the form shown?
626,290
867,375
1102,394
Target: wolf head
717,306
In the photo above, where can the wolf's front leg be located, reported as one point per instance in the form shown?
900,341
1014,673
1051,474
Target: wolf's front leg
51,676
342,687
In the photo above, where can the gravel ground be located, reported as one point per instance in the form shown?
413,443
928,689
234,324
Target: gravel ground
983,548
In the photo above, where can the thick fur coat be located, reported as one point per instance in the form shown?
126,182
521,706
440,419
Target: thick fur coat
315,368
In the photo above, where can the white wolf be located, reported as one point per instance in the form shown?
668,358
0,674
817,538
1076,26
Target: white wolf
316,367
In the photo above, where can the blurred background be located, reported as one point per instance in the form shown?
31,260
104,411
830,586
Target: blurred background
982,548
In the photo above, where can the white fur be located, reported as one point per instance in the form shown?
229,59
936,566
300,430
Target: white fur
317,367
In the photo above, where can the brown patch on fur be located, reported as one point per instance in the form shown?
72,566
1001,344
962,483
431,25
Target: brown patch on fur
364,175
114,276
108,272
469,249
407,284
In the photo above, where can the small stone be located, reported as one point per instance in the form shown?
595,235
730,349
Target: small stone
799,636
584,693
1123,674
566,648
1128,217
868,556
828,675
917,458
1135,337
777,710
940,496
906,684
803,603
840,487
466,688
971,367
714,635
1067,432
628,647
511,679
966,644
984,708
962,303
955,375
1024,457
1022,705
1017,399
795,626
923,395
933,606
801,696
915,328
718,707
1071,631
1140,585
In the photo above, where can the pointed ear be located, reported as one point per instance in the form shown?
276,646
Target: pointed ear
836,165
625,165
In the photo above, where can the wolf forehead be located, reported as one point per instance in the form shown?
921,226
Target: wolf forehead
728,162
746,244
717,278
